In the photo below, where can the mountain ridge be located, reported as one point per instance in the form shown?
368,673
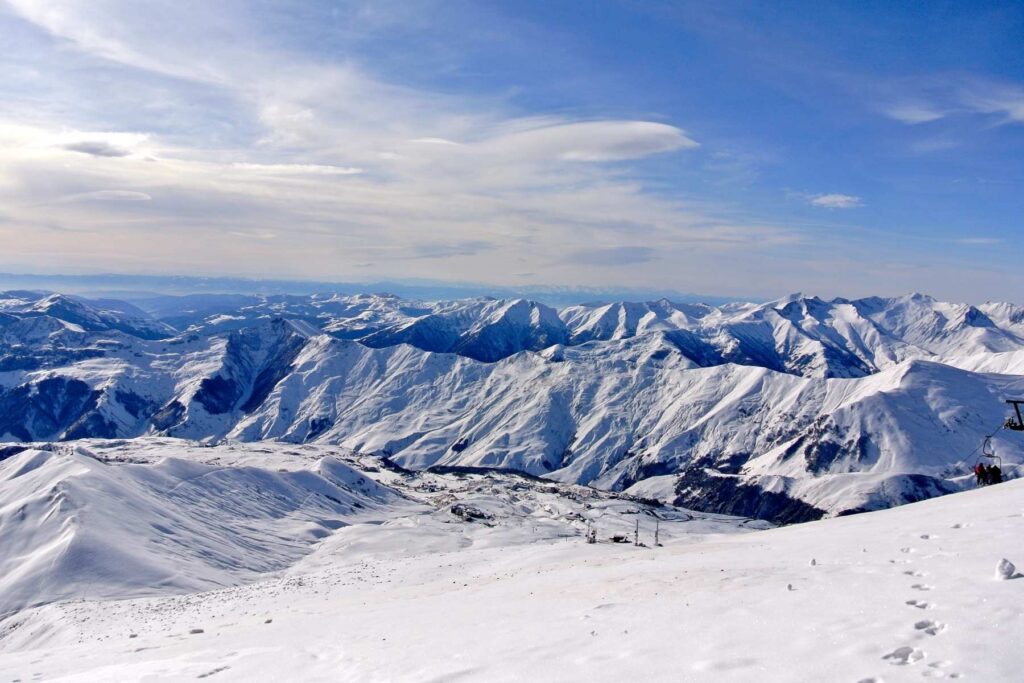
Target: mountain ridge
825,407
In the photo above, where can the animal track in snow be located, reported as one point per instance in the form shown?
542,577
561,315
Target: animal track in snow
920,604
916,573
922,587
932,628
904,655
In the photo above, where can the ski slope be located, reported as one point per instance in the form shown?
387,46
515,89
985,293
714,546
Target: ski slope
893,595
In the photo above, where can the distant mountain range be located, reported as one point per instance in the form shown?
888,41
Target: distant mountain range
131,287
787,410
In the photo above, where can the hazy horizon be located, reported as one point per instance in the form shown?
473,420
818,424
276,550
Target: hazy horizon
136,287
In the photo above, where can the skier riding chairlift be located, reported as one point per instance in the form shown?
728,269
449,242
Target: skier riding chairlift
988,474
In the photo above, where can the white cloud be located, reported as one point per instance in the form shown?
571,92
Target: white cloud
109,196
434,141
166,38
836,201
591,141
298,169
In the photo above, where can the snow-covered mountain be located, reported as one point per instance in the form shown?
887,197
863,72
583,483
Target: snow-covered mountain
797,334
788,410
82,315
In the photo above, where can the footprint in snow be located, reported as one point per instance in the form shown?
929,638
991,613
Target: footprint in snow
916,573
922,587
919,604
213,671
927,537
932,628
902,656
936,670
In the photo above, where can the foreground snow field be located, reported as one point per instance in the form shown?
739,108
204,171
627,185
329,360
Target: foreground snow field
488,577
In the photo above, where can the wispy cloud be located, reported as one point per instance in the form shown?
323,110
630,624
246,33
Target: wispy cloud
931,145
1003,100
98,148
263,235
979,241
925,100
614,256
109,196
297,169
915,112
835,201
436,250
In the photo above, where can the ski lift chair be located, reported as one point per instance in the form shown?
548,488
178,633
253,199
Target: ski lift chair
988,452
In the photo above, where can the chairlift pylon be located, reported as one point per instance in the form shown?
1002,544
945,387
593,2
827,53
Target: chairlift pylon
1018,424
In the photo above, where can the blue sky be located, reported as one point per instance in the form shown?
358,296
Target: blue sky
840,148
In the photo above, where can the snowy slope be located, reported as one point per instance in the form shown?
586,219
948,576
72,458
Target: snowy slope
896,595
116,519
483,329
616,415
76,526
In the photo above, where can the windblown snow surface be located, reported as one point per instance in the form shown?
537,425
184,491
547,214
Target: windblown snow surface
155,559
